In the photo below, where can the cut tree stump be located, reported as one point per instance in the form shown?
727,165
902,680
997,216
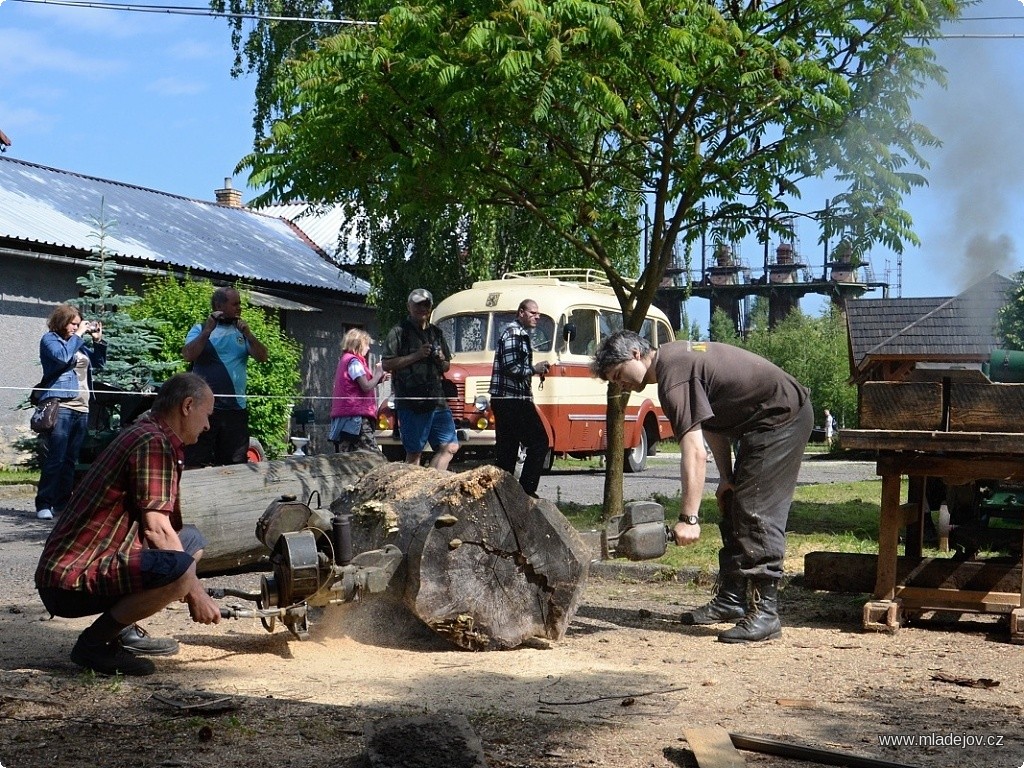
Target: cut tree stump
487,567
224,503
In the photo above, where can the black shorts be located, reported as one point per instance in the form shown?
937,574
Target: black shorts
160,567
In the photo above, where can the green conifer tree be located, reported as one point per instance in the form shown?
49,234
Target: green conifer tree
133,345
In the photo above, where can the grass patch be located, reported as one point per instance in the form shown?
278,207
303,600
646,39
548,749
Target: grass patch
833,517
15,476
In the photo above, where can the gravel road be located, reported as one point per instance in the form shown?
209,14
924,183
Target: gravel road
662,477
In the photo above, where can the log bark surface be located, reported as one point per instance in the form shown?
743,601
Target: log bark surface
487,566
225,502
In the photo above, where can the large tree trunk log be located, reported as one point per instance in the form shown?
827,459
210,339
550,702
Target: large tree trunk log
487,566
225,502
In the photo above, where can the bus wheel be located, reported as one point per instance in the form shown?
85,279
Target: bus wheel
636,458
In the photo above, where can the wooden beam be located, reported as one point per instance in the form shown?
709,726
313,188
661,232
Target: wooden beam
855,572
905,406
974,443
814,754
713,748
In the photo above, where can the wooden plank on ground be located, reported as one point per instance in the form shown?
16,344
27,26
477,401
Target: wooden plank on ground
899,405
713,748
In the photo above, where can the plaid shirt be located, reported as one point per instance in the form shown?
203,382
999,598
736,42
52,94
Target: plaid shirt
96,546
512,374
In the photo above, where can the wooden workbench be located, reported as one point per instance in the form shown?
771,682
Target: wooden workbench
956,457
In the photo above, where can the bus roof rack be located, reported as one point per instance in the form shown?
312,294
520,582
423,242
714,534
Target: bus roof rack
565,274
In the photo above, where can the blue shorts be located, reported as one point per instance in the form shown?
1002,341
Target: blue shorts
160,567
435,427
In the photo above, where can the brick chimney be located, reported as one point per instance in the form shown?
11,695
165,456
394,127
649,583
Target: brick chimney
228,197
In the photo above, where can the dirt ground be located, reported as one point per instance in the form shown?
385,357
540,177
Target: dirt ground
618,690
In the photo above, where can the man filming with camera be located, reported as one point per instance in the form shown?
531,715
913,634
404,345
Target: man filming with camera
218,350
416,355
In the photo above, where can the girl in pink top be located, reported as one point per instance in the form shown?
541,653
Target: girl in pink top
354,404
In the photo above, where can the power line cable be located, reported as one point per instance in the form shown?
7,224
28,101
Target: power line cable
177,10
180,10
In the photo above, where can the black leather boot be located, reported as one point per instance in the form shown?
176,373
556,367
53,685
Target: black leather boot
728,604
762,622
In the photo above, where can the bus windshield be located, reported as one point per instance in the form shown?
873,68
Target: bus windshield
469,332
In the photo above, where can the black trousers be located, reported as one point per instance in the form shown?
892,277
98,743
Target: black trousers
765,471
516,422
226,442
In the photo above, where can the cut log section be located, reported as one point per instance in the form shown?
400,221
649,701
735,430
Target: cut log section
487,566
224,503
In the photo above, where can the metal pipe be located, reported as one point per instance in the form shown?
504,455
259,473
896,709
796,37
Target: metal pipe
341,528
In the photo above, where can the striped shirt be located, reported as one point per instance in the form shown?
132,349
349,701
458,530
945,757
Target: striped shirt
512,374
96,545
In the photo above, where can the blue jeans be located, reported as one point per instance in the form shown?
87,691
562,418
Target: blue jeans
62,446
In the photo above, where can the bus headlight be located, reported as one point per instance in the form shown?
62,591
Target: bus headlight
481,403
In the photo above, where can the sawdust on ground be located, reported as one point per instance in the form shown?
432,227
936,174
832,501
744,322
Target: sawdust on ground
619,690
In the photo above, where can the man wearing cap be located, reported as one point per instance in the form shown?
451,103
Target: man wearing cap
416,355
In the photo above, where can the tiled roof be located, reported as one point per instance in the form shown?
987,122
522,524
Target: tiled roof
935,329
40,205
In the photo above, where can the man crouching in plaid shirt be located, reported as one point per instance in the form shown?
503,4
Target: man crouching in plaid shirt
119,548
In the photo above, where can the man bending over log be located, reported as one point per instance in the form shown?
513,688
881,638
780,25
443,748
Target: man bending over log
729,397
119,549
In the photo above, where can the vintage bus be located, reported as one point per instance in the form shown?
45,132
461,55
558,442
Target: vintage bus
578,309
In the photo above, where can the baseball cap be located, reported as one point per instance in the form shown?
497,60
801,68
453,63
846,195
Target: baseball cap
420,295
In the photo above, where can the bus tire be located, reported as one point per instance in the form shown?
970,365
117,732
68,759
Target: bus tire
636,457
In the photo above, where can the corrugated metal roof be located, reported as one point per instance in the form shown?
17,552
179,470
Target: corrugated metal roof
936,329
50,206
329,228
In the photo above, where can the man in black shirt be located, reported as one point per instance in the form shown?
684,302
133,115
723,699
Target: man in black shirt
416,355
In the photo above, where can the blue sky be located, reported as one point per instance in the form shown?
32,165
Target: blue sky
147,99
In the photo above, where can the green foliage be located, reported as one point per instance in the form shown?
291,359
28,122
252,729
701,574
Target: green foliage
1011,316
176,305
709,116
132,344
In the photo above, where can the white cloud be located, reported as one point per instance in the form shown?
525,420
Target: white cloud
28,52
23,121
173,86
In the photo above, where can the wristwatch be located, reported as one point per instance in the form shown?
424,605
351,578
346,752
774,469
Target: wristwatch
689,519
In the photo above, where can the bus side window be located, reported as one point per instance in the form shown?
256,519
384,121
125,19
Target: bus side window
665,334
610,323
585,321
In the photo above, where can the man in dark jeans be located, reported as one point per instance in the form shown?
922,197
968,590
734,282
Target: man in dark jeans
729,397
516,421
120,549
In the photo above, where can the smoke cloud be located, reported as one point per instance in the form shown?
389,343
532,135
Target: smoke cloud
977,176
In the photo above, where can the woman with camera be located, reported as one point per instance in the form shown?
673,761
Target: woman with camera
69,363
